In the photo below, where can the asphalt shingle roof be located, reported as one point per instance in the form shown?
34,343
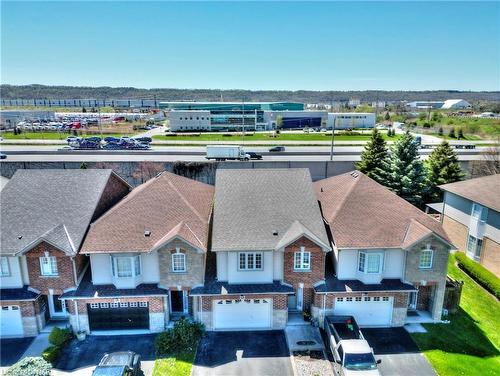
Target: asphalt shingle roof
250,205
484,190
56,206
168,206
364,214
22,293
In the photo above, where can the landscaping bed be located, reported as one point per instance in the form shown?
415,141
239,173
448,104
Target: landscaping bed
470,343
311,363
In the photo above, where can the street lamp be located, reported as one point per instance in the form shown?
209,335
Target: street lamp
333,137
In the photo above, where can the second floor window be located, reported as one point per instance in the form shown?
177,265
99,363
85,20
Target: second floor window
126,266
479,212
48,266
250,261
425,261
302,260
370,262
4,267
178,262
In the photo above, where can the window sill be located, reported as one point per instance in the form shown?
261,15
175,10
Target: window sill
183,272
302,270
50,276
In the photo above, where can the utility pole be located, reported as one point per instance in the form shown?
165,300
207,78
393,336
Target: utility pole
333,137
243,122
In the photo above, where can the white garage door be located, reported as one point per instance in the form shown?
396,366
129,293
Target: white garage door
367,311
11,322
241,314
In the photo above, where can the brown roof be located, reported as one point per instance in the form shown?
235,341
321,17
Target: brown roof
484,190
364,214
168,205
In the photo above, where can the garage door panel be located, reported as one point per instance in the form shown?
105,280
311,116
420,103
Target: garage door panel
11,322
237,314
118,318
366,313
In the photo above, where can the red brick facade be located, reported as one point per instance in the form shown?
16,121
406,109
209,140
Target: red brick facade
114,191
28,307
310,277
58,283
280,301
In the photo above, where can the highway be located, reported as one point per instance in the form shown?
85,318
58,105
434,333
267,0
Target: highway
39,153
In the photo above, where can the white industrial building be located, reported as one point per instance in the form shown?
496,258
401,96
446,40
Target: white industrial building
351,120
444,105
455,104
10,118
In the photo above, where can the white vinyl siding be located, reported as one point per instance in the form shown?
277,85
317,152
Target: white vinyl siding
4,267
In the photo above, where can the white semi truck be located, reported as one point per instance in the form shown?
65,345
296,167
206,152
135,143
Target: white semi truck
226,152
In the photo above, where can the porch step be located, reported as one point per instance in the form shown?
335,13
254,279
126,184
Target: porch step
296,319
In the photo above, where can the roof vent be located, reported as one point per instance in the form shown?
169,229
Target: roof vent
19,237
354,174
147,233
321,189
275,233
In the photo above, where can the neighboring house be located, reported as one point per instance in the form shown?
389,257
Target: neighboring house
389,258
268,249
471,216
45,216
146,254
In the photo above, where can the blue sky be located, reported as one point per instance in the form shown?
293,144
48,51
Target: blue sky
253,45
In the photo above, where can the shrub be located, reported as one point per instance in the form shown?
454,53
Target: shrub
479,273
452,133
183,337
460,133
59,337
51,354
30,366
440,131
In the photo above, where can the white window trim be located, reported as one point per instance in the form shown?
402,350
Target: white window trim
254,268
301,267
51,273
114,266
365,264
3,272
483,212
473,254
178,253
428,249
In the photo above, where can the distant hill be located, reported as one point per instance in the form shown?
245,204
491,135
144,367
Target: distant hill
306,96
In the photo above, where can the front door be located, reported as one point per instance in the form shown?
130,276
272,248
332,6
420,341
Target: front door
300,298
57,307
412,301
177,301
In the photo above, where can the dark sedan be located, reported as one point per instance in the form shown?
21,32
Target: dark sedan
277,149
254,155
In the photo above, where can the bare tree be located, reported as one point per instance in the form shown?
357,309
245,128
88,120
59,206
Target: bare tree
489,165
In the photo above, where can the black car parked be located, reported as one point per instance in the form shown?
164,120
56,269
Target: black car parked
123,363
254,155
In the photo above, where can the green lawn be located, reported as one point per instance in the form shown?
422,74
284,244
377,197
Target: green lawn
470,344
484,127
178,365
467,137
266,137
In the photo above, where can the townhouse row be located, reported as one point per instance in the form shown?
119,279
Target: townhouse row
259,247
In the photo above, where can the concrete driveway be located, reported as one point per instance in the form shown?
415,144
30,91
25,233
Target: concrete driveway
246,353
11,350
399,354
80,358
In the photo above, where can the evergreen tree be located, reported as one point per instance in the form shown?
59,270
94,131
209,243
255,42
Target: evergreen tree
403,172
387,116
452,132
374,155
460,134
442,168
440,131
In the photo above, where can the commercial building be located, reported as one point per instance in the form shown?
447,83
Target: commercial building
444,105
351,120
10,118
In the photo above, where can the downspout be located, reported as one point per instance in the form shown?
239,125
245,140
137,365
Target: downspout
77,315
74,271
324,308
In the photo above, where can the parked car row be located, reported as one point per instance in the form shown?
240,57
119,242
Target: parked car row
109,143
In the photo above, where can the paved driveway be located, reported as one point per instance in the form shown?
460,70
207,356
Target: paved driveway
243,353
82,357
11,349
399,354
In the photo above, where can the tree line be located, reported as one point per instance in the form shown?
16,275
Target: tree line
402,171
306,96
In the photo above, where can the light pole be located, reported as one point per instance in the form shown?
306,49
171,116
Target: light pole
333,137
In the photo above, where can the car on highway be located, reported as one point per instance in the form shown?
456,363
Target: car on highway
276,149
123,363
254,155
3,156
144,139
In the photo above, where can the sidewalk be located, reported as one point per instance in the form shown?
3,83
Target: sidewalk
40,343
